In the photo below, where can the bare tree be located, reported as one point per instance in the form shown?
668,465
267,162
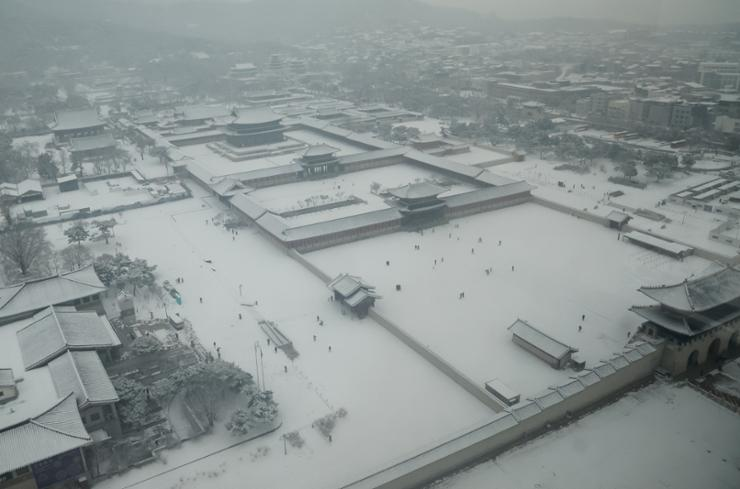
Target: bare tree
25,252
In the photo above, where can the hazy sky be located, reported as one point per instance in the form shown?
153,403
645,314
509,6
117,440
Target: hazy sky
645,11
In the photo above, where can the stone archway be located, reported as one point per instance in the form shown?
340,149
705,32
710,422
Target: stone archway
693,360
734,342
713,350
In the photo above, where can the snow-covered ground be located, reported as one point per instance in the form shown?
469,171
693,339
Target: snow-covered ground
379,381
587,191
662,436
293,196
149,166
563,267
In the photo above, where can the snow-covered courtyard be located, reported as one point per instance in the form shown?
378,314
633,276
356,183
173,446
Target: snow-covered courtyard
378,380
589,191
550,269
359,184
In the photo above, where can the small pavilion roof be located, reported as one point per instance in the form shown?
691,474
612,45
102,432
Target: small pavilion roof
618,216
699,294
320,150
417,191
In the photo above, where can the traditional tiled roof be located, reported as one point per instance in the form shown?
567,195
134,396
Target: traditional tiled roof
77,119
58,329
20,189
32,296
82,373
420,190
346,284
699,294
89,143
257,116
540,340
320,150
57,430
618,216
6,377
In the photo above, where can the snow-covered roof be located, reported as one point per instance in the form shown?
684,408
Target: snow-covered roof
540,340
34,295
20,189
488,193
335,226
617,216
58,329
699,294
419,190
319,150
56,430
248,206
77,119
6,377
442,164
82,373
67,178
257,116
662,244
89,143
346,284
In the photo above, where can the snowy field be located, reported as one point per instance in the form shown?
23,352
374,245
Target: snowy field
380,396
99,194
588,191
294,196
563,267
663,436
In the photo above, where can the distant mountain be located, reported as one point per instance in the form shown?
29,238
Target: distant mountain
284,21
33,39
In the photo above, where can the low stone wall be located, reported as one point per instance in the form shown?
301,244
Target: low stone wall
458,377
528,419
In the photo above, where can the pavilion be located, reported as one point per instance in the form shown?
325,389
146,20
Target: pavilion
353,292
254,128
319,161
419,204
76,124
699,318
